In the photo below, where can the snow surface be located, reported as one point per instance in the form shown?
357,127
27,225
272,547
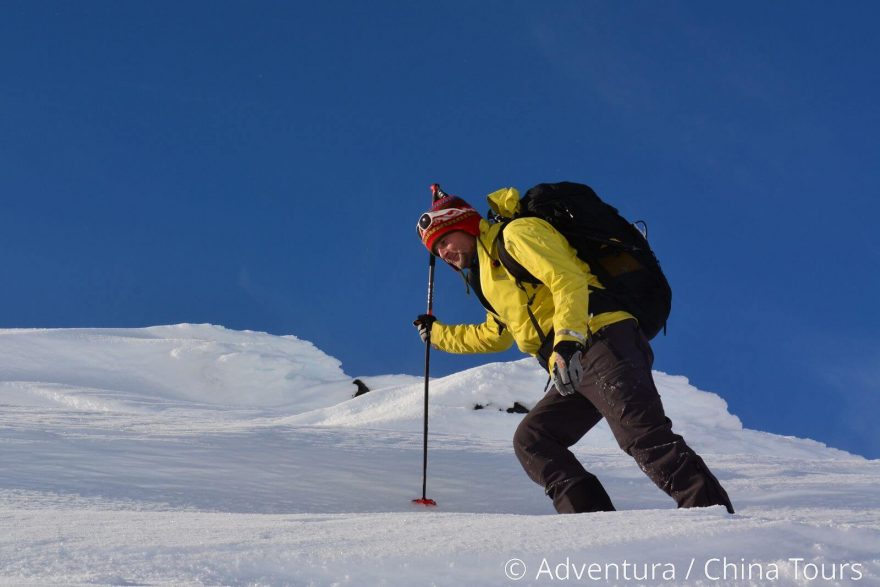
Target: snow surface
197,455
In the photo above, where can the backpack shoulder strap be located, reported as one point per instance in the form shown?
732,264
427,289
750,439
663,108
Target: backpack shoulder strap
520,273
601,300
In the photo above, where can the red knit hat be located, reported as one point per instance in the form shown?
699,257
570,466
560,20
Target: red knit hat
447,214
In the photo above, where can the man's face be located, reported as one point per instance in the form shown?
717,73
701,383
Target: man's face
456,248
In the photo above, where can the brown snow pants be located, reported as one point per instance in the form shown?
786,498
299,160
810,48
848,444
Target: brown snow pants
617,385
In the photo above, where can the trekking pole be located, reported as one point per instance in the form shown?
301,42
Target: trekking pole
436,194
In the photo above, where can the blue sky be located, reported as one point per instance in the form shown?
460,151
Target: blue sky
262,165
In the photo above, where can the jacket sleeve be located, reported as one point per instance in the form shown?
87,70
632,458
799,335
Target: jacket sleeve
546,254
489,337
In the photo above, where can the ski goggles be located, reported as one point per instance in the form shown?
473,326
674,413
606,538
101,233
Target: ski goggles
437,217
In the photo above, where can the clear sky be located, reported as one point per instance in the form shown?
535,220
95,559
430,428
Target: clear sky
261,165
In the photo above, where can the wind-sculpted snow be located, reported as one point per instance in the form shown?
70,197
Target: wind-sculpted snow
187,362
197,455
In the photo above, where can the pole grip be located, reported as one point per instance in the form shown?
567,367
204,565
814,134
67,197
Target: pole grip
432,263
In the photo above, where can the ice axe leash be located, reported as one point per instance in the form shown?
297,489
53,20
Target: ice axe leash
436,194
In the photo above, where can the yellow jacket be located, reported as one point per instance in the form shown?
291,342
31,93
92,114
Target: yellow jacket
559,303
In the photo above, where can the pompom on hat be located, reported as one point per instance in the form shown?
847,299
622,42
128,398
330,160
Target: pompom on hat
447,214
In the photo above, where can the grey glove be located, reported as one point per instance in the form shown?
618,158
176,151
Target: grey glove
423,323
567,370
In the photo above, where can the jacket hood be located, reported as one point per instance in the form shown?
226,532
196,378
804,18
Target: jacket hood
504,202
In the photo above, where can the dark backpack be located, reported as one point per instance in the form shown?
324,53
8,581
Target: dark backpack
615,249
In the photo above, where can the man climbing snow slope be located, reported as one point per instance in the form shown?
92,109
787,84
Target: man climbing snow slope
597,355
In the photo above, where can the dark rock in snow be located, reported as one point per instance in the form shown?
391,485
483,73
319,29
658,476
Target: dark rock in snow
362,387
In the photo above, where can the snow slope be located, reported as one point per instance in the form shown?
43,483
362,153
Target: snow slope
196,455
